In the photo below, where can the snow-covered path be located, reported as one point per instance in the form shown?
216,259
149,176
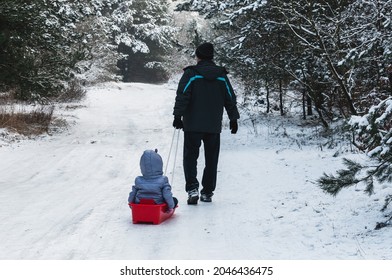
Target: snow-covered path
65,196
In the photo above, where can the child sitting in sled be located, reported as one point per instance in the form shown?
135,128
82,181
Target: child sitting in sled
152,184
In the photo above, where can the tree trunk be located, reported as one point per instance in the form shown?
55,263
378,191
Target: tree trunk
324,122
309,105
281,98
267,97
304,104
390,78
306,99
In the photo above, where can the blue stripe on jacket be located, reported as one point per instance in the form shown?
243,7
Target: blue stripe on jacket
201,77
227,85
191,80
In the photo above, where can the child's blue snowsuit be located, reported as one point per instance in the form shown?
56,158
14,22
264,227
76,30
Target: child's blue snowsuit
152,185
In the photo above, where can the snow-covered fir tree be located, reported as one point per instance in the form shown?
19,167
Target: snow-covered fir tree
38,47
150,37
45,44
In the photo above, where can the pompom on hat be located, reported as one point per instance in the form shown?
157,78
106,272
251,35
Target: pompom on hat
205,51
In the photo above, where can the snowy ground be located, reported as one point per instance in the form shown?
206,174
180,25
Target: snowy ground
65,196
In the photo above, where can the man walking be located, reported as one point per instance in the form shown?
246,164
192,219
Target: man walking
203,92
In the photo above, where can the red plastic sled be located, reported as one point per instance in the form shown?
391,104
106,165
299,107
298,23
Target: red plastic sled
149,213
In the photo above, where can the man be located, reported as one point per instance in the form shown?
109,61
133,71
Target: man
203,91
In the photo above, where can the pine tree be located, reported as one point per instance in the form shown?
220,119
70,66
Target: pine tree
35,47
47,44
151,42
373,135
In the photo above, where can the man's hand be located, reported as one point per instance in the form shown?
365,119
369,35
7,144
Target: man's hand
177,123
233,126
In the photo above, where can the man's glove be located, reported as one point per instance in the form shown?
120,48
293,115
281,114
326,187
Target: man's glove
177,123
233,126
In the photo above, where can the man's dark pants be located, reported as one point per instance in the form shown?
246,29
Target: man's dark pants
192,143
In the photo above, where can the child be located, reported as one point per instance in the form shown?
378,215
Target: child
152,184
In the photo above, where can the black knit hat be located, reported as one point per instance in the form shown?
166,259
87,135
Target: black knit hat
205,51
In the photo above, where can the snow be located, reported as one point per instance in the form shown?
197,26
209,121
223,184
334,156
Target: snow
64,196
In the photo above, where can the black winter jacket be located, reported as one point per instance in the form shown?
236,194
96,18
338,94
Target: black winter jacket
203,91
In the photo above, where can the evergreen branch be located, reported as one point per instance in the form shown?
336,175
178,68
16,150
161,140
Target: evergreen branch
334,184
388,200
345,178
